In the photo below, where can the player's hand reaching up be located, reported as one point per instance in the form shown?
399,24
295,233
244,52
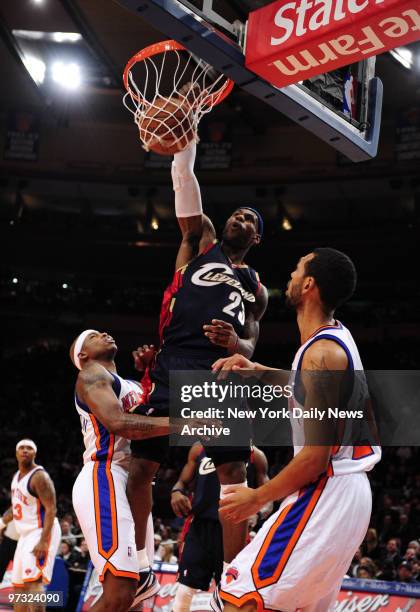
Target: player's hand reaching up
143,356
222,333
237,363
239,504
180,503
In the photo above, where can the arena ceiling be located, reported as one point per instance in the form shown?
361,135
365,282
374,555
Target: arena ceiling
100,36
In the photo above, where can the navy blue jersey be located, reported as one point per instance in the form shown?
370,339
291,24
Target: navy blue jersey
209,287
205,503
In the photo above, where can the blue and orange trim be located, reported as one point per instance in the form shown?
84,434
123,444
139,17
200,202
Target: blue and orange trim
284,534
104,491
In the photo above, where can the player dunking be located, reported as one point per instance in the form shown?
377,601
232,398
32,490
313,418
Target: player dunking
104,402
211,309
34,513
299,557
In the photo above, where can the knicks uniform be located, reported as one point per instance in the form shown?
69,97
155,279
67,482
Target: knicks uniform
28,516
209,287
297,560
99,493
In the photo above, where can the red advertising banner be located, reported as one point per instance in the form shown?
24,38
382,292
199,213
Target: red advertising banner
289,41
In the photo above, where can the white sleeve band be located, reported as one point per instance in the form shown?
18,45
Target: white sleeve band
185,184
223,488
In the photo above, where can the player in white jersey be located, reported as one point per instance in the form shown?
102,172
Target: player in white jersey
33,511
104,402
297,560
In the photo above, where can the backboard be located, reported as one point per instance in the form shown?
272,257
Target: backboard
215,30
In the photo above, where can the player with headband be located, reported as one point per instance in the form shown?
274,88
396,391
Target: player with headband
211,309
33,512
105,402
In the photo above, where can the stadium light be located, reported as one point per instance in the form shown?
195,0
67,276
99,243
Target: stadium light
66,37
15,280
404,56
286,225
66,75
35,67
65,286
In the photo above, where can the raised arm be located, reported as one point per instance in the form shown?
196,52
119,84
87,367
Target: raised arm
180,502
197,229
43,488
94,387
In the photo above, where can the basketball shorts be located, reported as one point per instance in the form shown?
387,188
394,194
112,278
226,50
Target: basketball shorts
156,449
102,509
300,555
26,567
202,554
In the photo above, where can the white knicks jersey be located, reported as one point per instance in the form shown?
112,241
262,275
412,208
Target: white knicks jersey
101,445
28,512
344,459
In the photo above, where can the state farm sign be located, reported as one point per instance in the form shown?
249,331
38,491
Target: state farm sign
290,41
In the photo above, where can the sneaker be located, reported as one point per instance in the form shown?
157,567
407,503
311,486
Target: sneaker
216,603
147,587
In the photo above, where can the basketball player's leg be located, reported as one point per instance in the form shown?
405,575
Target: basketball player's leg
232,473
107,524
230,464
30,590
146,458
118,594
29,574
317,528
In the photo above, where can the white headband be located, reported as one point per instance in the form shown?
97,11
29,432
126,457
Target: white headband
79,345
26,442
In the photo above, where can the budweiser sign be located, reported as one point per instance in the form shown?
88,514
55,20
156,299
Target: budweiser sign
291,41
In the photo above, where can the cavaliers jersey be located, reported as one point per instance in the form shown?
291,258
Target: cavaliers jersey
344,459
209,287
205,503
28,512
101,445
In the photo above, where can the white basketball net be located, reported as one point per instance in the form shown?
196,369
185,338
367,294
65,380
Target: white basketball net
194,88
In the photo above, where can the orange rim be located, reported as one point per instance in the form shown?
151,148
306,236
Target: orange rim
172,45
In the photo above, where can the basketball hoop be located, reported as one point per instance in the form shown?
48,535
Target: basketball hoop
170,94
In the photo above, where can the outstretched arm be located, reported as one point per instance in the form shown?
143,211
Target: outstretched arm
197,229
326,359
43,488
94,387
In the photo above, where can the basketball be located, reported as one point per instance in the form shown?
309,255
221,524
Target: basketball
167,126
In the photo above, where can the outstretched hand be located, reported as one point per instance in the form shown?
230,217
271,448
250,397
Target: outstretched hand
143,356
237,363
222,333
239,504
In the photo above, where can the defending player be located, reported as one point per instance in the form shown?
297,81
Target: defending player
33,511
299,557
202,553
104,402
211,309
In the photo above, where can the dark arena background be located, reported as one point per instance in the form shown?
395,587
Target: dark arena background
89,238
